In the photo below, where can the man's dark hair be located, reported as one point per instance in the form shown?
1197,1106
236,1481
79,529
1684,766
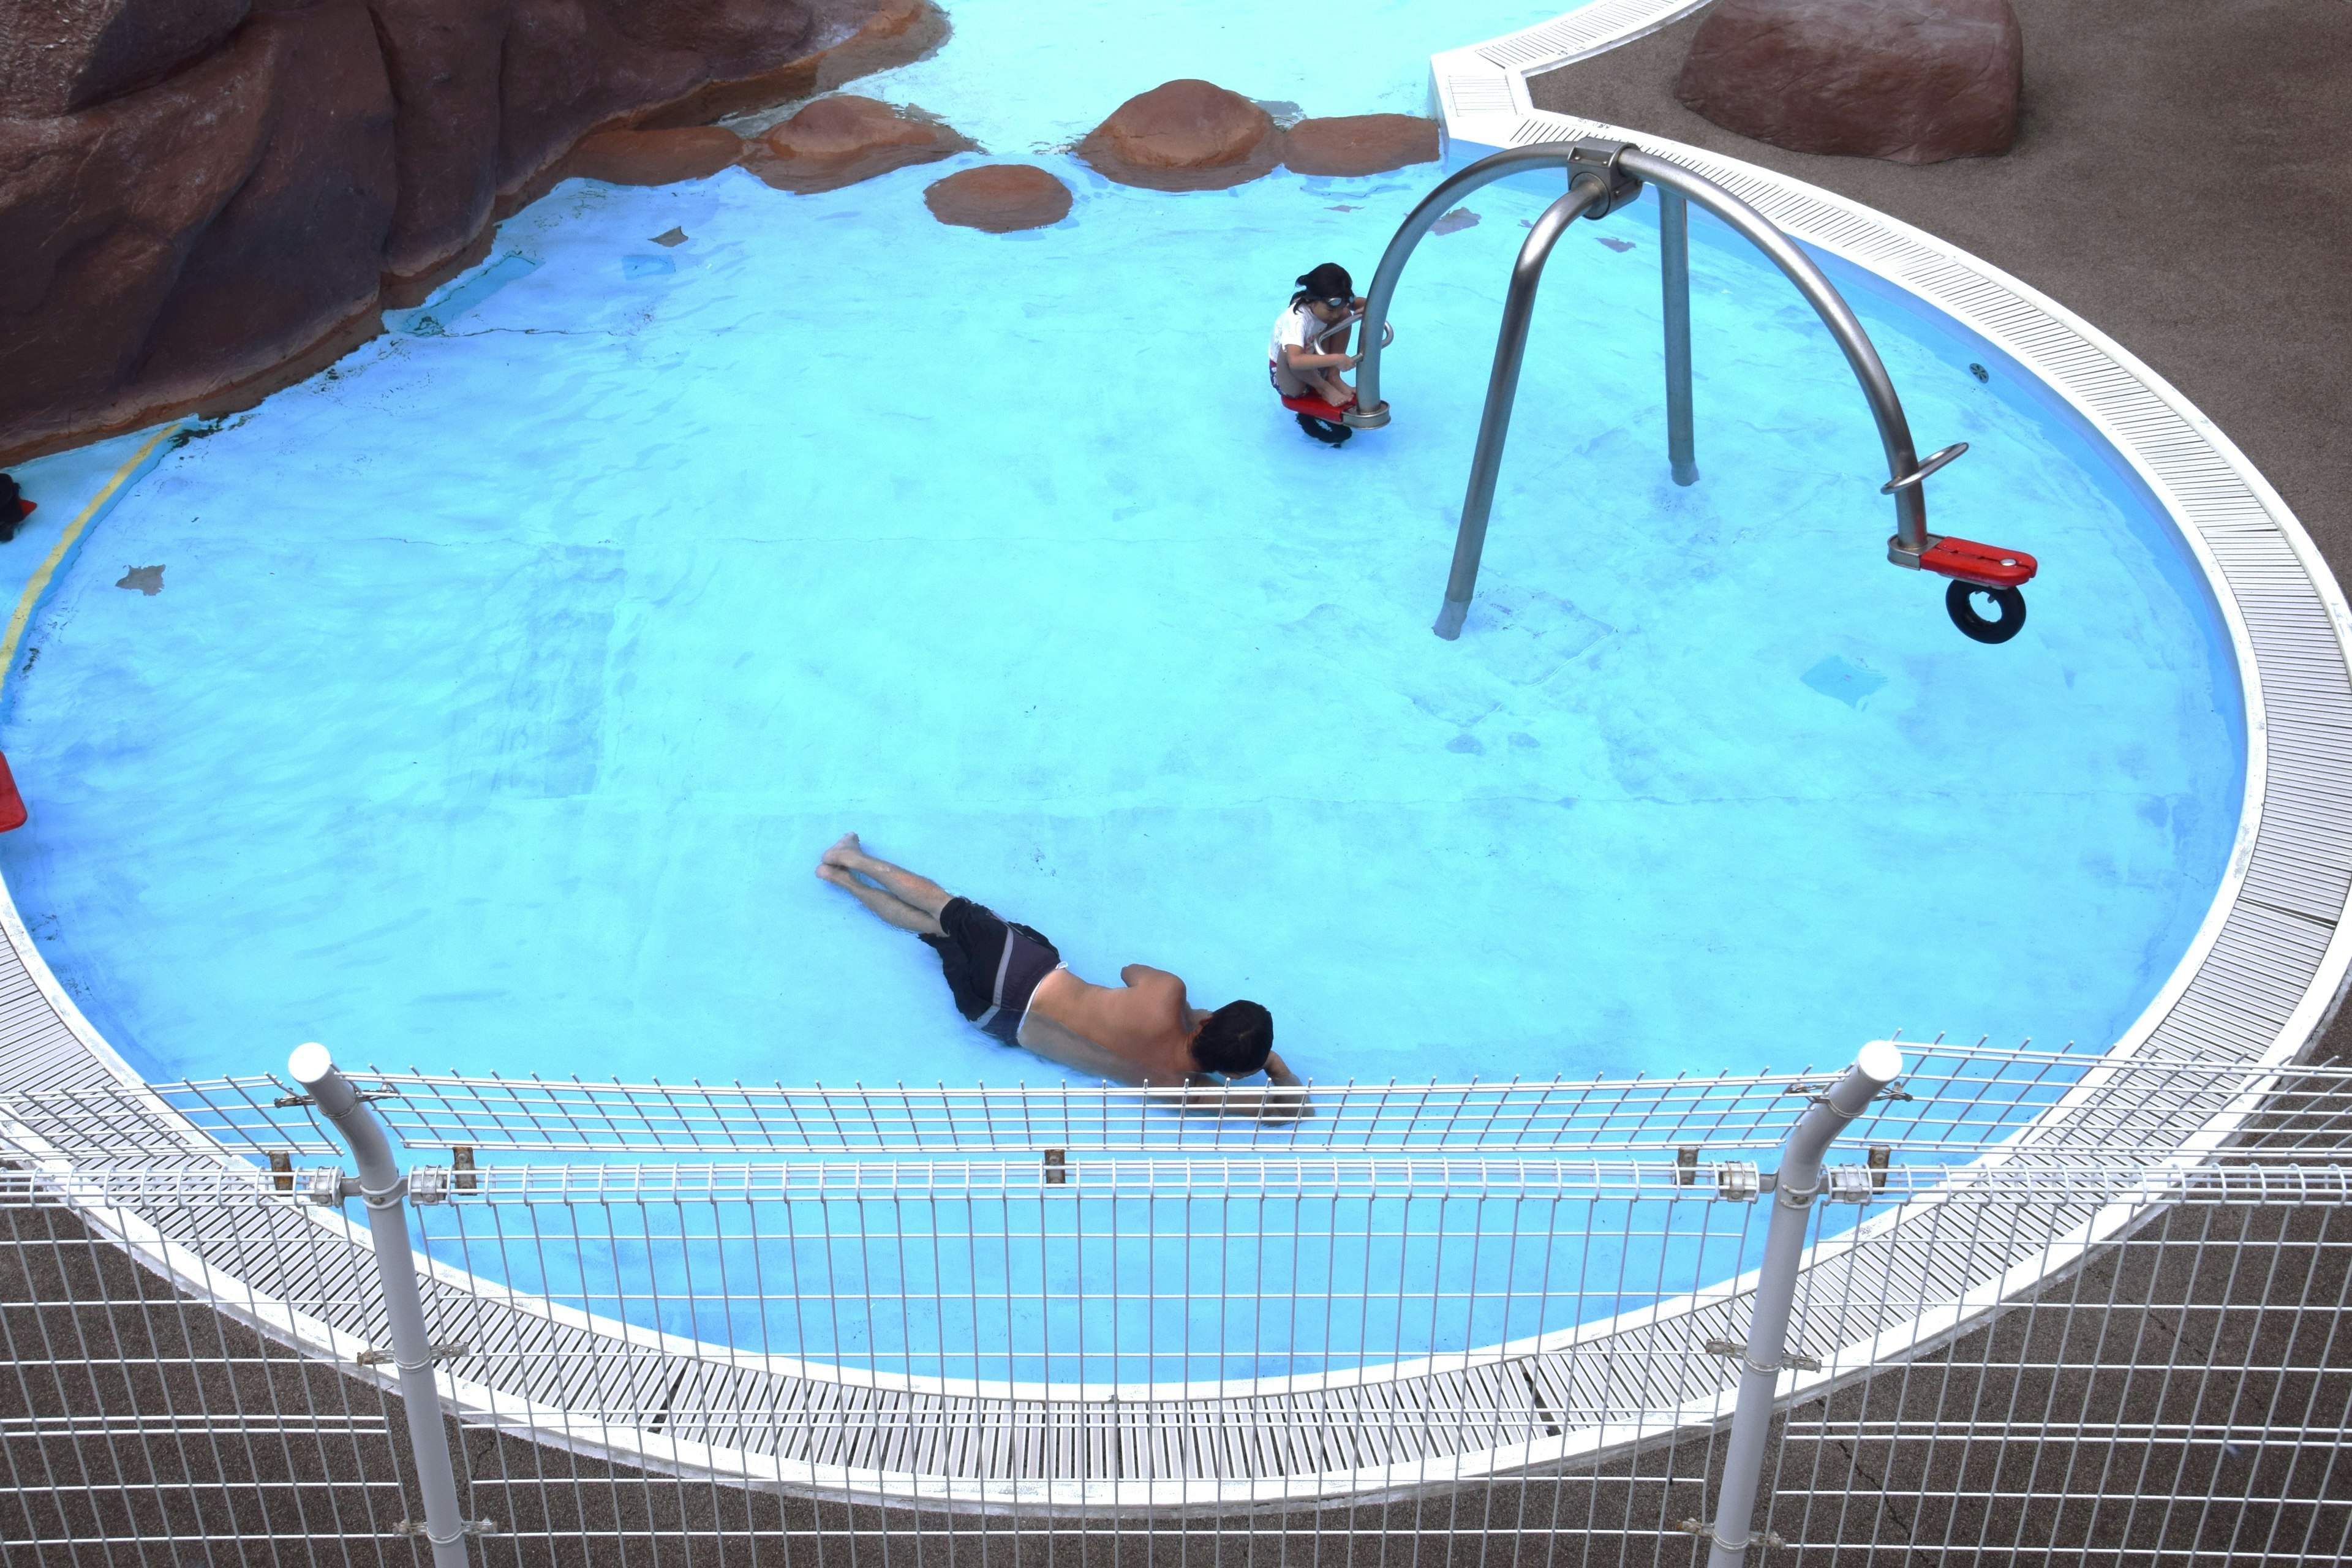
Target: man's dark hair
1235,1040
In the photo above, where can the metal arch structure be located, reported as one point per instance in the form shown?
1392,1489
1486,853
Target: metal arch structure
1602,177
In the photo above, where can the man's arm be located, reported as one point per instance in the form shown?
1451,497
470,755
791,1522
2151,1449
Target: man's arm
1283,1099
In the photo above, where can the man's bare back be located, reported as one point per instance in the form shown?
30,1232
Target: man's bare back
1144,1031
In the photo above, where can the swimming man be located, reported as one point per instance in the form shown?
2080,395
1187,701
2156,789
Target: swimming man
1010,980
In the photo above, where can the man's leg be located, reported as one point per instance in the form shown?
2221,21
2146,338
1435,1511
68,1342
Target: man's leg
920,892
896,911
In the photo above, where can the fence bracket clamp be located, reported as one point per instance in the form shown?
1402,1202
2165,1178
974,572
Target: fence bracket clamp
1698,1527
447,1350
1738,1352
465,1527
1820,1091
1855,1184
328,1185
295,1101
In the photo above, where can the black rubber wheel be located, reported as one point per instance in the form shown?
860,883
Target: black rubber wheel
1323,430
1959,599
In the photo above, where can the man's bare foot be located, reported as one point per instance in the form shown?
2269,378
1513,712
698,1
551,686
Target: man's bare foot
844,850
827,872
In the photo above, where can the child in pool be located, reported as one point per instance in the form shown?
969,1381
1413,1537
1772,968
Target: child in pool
1297,365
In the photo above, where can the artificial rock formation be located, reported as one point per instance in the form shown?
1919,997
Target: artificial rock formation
999,198
1193,135
1186,136
840,140
1358,143
653,157
197,195
1916,81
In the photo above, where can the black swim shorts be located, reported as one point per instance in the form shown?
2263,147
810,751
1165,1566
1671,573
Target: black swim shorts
992,966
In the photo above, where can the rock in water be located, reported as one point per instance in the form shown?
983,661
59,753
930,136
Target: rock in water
1186,135
654,157
999,198
1359,144
837,142
1916,81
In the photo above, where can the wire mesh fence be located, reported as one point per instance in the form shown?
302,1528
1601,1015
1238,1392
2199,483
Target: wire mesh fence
1457,1324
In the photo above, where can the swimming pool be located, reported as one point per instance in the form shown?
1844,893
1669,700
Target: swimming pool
503,683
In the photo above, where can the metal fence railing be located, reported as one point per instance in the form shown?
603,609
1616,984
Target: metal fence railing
1463,1324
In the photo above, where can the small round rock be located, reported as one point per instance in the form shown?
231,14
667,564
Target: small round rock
999,198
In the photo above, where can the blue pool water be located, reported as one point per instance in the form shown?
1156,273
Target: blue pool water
504,685
504,682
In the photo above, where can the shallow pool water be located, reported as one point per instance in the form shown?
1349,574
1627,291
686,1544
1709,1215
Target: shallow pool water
504,683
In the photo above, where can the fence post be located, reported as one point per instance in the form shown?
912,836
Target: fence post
1797,1183
384,1189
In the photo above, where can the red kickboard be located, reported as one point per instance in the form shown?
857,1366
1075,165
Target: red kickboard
1316,408
24,509
12,805
1972,562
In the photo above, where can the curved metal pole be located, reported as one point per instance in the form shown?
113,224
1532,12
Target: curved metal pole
1760,1365
1877,388
1911,537
1502,391
382,1188
1369,412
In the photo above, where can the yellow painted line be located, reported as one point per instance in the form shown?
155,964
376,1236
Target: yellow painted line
41,580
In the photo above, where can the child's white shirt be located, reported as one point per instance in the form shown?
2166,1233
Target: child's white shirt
1295,328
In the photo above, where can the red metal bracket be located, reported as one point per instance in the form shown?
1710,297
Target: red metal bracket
1987,565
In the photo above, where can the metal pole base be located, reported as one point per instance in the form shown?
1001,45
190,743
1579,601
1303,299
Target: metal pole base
1450,617
1685,473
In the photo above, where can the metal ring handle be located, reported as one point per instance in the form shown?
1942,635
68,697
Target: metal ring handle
1935,460
1387,330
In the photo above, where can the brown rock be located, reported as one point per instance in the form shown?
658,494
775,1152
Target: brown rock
837,142
1187,135
221,221
1916,81
60,56
999,198
893,32
654,157
201,200
1359,143
446,60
